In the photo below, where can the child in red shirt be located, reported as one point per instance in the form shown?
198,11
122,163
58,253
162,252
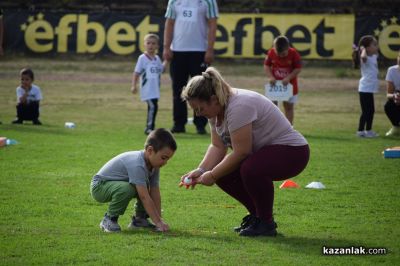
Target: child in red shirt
284,63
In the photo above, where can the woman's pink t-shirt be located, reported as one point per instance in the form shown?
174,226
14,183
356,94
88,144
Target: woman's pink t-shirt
270,126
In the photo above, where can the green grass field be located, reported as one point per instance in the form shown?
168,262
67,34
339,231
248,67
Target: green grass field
49,218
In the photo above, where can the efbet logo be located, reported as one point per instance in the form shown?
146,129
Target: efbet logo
120,38
388,33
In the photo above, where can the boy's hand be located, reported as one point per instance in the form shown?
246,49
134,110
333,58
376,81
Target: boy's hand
272,81
162,227
134,89
285,81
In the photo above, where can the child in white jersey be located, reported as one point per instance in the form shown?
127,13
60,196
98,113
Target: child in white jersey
149,68
365,56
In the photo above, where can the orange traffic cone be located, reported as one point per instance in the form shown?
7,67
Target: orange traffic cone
289,184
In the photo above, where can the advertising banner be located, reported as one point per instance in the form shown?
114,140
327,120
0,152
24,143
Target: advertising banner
315,36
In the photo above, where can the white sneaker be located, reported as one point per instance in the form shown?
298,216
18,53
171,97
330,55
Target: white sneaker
108,225
394,131
371,134
360,134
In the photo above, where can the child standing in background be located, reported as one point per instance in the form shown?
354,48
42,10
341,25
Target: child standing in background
284,63
28,99
365,56
149,68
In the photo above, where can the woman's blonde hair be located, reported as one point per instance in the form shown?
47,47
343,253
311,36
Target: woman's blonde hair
203,86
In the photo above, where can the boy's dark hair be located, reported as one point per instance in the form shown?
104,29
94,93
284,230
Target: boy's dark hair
281,43
159,139
28,72
365,41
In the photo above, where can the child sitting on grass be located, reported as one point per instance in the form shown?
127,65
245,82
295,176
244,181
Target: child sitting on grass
135,174
28,99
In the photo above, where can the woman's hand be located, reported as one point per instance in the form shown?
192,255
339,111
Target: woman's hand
194,175
207,179
396,98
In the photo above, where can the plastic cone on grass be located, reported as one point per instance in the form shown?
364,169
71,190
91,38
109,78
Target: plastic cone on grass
289,184
316,185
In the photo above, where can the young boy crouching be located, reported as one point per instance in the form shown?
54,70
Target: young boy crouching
135,174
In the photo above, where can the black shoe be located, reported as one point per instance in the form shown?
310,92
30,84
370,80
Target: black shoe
178,129
246,221
260,228
17,121
147,131
36,122
201,131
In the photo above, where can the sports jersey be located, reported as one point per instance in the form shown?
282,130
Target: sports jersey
269,126
190,28
393,75
34,94
150,70
281,67
369,81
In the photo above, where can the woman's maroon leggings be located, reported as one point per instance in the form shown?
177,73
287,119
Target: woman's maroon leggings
251,184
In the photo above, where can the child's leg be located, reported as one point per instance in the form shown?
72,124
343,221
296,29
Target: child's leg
140,211
118,193
361,123
370,111
21,112
289,111
367,111
34,108
152,108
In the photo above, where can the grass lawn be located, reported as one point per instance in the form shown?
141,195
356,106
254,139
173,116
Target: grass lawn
49,217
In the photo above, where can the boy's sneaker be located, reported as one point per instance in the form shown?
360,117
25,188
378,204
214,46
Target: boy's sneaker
393,132
138,222
360,134
110,225
370,134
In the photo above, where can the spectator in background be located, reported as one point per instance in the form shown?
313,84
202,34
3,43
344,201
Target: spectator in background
189,37
365,56
392,106
28,99
284,63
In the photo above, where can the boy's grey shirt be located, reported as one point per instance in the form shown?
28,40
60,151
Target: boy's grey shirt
130,167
